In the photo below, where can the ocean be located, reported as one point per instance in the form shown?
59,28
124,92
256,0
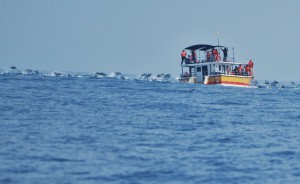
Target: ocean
57,128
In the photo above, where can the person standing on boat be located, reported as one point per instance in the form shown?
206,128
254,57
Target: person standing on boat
183,56
240,70
208,56
186,74
189,59
215,54
247,69
228,70
225,52
251,64
194,56
235,71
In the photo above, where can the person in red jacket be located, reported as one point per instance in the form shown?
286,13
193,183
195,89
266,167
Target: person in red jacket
247,69
240,70
183,56
251,64
215,54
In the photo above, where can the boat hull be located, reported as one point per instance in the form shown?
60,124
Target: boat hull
226,80
230,80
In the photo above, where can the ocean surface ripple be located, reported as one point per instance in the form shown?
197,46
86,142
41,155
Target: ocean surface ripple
104,129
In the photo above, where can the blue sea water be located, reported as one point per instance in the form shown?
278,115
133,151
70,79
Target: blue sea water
109,130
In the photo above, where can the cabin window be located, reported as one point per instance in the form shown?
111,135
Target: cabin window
220,69
199,69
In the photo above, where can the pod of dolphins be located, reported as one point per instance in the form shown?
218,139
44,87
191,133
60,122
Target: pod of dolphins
145,77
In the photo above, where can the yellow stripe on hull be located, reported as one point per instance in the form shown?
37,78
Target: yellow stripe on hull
229,80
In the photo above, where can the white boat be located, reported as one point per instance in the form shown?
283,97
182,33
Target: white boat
214,69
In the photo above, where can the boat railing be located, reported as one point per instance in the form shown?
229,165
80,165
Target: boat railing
231,73
242,74
206,60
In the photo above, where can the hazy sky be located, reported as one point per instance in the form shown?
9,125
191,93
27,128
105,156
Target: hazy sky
137,36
